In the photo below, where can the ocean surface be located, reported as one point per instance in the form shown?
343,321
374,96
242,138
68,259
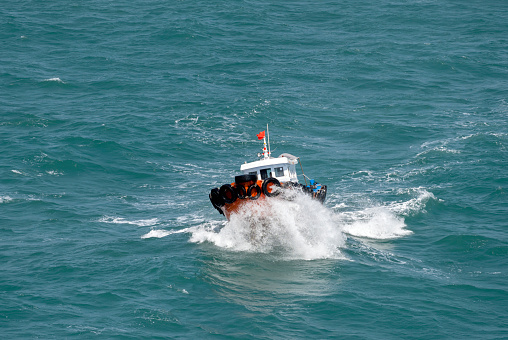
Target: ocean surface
117,118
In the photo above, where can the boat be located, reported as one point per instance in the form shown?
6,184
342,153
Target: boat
262,180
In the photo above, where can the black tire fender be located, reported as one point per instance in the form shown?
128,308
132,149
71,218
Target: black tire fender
245,178
228,193
269,181
258,192
240,191
216,199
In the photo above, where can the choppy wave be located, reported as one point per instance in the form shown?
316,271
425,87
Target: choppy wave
414,205
110,143
376,223
160,233
121,220
157,233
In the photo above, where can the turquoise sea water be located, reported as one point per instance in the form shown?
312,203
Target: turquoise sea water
117,118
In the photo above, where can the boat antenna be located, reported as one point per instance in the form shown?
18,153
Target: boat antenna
304,177
268,133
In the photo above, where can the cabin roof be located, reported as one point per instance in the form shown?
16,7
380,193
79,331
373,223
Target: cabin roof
270,162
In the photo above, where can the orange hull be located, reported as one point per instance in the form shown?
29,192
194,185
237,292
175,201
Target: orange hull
230,208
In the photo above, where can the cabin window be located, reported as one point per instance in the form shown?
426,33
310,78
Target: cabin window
265,173
253,173
279,172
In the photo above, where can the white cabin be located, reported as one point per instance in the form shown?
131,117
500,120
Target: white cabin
283,168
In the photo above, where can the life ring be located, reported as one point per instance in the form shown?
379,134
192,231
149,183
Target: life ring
267,182
258,192
228,193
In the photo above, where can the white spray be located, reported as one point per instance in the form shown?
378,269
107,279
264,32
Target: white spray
299,227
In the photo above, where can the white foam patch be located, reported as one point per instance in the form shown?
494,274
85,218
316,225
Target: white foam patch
300,228
17,172
121,220
56,79
387,222
377,223
156,233
414,205
5,199
160,233
437,149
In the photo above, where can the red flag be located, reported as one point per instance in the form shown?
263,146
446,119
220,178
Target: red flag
261,135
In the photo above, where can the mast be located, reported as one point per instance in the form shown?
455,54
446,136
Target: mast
265,153
268,133
262,135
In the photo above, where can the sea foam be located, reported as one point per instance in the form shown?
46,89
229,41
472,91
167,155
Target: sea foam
4,199
121,220
376,223
56,79
386,221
